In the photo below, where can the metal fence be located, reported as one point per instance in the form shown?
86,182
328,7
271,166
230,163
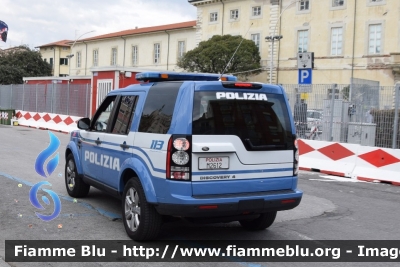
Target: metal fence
66,99
363,113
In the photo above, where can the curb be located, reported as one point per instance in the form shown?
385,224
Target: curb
42,128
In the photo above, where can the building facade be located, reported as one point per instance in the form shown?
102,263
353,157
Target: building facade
350,38
57,55
150,48
113,59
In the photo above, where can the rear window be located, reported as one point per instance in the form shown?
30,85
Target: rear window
261,124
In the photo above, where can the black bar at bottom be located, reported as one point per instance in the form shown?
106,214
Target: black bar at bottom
203,251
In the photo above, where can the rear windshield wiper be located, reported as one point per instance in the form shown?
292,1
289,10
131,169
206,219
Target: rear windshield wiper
263,147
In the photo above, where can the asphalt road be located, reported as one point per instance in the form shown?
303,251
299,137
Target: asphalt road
332,209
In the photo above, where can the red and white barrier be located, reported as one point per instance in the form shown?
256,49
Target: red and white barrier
340,159
47,121
350,160
378,164
327,157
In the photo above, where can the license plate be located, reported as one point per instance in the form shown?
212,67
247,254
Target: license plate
213,163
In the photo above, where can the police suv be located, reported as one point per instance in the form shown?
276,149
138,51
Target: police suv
202,147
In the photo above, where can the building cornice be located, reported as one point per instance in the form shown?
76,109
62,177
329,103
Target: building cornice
182,26
206,2
121,69
202,2
51,78
132,35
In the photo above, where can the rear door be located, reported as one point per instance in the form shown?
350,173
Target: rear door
118,140
242,140
91,141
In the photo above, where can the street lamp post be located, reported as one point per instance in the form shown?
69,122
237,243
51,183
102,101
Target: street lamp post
71,55
272,40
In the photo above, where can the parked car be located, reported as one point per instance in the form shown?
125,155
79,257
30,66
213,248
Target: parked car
314,118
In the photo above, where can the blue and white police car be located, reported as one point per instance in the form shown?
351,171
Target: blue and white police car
196,146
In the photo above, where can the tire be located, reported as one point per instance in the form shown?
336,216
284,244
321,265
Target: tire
264,221
141,220
73,182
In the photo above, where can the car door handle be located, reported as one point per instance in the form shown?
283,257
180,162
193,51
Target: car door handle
124,145
98,142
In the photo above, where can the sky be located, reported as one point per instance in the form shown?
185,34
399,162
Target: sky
39,22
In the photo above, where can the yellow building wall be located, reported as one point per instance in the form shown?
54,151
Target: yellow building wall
144,42
56,52
354,61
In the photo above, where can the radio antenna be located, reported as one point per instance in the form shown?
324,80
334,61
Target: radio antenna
234,53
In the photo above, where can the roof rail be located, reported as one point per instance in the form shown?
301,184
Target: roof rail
181,76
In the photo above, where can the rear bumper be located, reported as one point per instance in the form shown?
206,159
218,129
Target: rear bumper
234,204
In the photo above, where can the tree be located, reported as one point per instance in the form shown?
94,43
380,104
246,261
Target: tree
212,56
21,62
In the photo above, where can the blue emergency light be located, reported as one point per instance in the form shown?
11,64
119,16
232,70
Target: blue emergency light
179,76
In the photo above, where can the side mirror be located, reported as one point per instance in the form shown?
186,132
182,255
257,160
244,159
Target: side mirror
84,124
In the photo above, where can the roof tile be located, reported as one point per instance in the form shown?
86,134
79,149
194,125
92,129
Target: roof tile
175,26
58,43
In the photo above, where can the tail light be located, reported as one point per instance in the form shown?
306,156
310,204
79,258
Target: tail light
242,85
288,201
179,156
296,157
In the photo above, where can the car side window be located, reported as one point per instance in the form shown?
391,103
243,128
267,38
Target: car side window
124,115
159,107
103,115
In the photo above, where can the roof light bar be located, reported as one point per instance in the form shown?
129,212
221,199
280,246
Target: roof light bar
177,76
